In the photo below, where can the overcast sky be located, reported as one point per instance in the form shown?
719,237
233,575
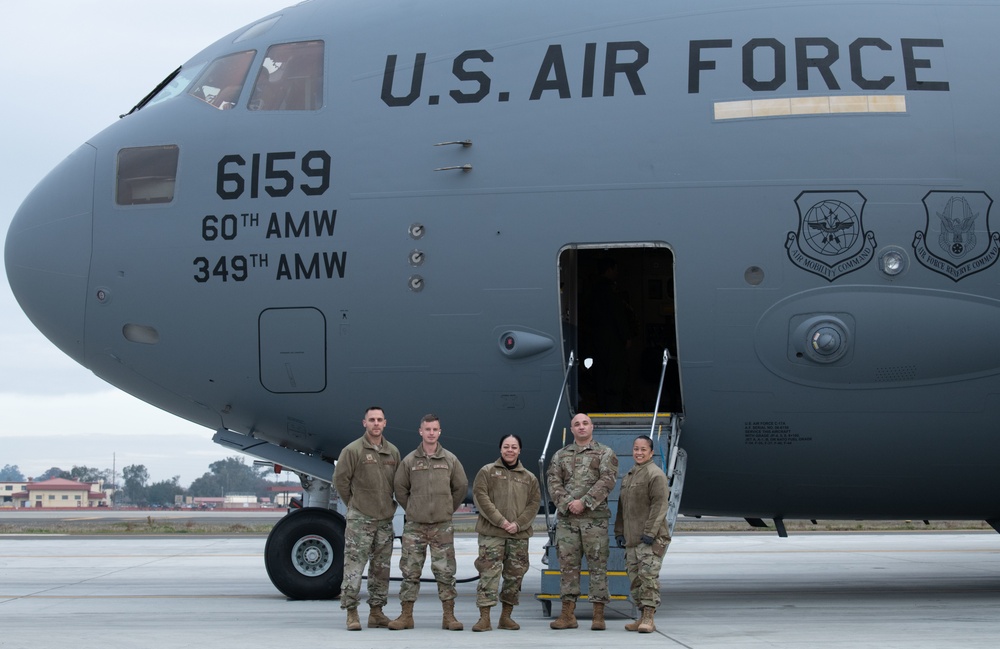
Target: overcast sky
71,67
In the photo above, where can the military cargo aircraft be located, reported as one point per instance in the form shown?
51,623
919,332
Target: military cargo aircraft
768,224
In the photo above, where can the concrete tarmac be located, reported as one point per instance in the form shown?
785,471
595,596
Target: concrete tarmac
905,590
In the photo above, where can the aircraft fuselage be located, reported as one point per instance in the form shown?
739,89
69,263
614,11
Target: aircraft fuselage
796,197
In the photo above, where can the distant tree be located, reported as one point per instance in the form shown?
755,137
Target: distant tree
163,492
54,472
89,474
231,475
135,477
208,485
11,473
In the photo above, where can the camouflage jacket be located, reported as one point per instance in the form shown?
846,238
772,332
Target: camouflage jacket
585,472
430,487
642,504
501,493
364,477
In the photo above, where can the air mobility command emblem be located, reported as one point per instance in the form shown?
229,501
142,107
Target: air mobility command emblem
831,240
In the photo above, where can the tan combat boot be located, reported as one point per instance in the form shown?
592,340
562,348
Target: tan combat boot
566,619
505,620
634,624
448,620
646,624
405,619
353,623
377,619
484,620
597,623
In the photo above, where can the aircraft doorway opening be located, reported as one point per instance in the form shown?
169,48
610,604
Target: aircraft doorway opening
618,308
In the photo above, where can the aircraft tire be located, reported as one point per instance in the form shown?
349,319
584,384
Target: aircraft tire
304,554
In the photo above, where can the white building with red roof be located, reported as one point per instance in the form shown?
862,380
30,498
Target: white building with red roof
55,493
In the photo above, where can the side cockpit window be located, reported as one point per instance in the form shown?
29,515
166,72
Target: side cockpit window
222,81
290,78
173,85
146,175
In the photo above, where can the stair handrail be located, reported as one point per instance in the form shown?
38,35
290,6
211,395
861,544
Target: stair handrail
541,460
659,392
673,438
673,447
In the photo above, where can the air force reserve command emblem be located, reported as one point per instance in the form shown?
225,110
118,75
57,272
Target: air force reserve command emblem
957,240
831,240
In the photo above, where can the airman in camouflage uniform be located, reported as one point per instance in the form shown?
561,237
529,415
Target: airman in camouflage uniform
430,484
581,476
507,497
641,528
364,479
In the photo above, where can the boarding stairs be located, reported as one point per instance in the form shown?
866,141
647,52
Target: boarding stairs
618,431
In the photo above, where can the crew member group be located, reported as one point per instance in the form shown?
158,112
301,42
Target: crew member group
430,484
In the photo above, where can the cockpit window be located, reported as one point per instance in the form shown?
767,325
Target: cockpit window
173,85
222,81
146,175
176,85
290,78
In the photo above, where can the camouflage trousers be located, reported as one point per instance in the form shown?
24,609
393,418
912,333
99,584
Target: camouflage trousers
577,537
417,538
643,568
500,556
366,541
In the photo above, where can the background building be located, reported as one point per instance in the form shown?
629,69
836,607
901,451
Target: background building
57,492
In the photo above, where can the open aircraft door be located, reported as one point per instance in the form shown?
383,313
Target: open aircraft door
617,306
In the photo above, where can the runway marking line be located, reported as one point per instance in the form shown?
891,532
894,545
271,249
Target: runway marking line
124,556
857,551
275,596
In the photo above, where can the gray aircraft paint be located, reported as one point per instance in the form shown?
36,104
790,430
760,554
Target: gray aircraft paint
313,262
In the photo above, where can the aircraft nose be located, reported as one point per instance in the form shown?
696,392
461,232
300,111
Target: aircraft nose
48,249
